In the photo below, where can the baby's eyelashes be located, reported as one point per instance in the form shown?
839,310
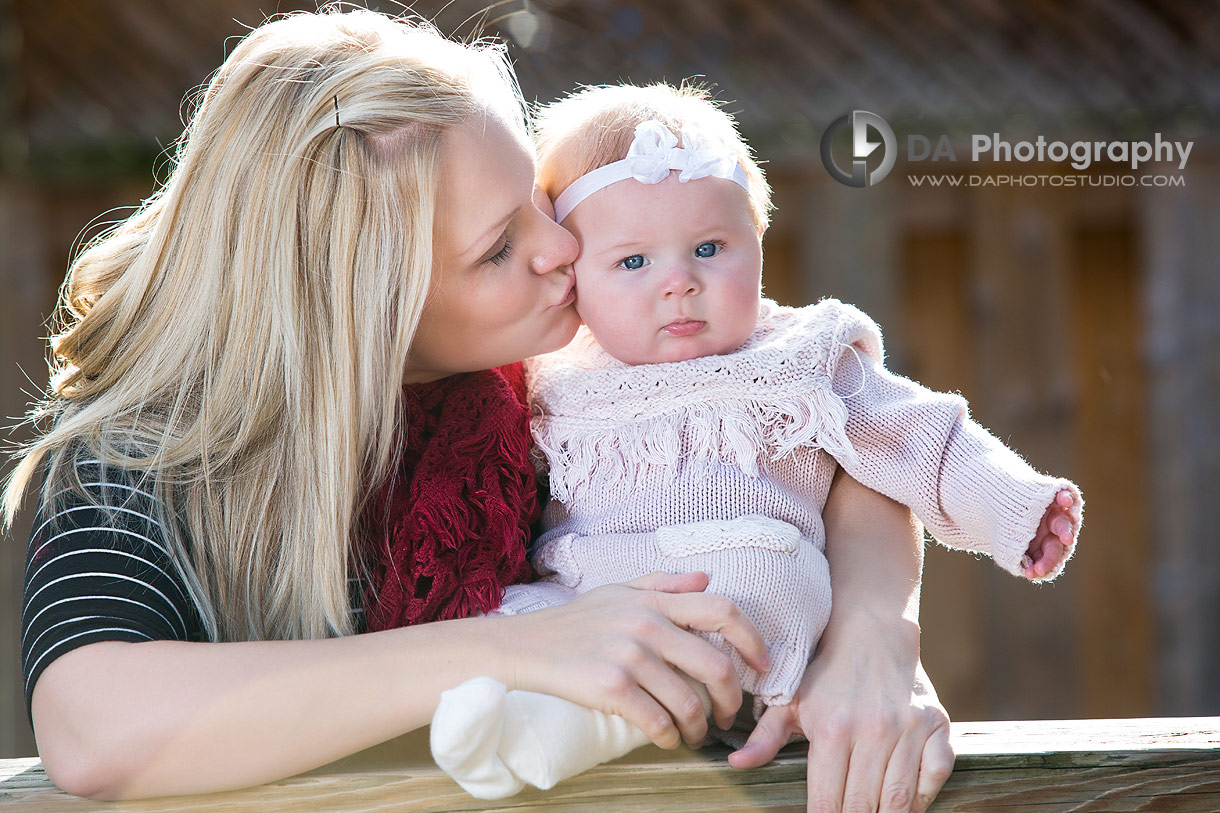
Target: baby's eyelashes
633,263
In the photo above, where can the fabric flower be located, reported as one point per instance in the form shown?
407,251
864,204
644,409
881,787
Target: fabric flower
649,155
707,153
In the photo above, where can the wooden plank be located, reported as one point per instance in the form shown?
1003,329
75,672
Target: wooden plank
1137,764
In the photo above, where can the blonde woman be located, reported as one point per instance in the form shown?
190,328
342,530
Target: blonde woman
353,210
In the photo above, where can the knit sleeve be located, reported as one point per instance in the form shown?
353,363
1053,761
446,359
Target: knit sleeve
922,449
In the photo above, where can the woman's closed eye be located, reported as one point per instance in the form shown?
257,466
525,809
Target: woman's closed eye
709,249
633,263
501,256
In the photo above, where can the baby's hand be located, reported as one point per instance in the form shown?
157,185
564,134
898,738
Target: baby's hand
1054,538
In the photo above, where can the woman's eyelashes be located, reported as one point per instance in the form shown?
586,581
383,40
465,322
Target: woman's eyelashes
502,255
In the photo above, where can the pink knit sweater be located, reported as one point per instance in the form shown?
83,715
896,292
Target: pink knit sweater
723,464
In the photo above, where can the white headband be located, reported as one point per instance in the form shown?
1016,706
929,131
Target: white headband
653,153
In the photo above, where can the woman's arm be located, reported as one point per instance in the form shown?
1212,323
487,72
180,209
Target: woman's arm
878,734
128,720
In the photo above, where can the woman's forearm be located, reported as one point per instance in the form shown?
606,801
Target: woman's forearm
129,720
875,549
123,720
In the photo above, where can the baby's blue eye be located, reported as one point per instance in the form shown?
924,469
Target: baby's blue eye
632,263
707,250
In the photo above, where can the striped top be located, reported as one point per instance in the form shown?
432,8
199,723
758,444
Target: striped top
101,572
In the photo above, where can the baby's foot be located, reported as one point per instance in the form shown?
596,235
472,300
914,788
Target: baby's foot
493,742
547,739
465,737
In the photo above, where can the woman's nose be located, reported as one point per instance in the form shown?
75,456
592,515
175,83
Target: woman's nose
557,248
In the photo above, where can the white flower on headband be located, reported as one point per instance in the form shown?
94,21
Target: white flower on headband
653,153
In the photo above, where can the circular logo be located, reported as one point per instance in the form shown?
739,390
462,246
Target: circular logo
860,121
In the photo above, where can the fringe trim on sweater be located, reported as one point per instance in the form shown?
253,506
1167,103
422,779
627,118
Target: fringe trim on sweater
743,432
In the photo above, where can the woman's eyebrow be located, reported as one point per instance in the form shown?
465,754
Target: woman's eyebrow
494,229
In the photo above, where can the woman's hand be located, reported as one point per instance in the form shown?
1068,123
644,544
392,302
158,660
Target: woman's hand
615,648
878,736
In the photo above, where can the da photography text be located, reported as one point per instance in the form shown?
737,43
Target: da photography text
874,151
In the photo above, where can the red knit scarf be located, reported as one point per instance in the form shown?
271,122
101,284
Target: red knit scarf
451,525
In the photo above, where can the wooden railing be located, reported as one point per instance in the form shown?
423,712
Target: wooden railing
1077,765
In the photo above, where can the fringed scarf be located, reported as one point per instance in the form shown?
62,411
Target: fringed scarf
450,527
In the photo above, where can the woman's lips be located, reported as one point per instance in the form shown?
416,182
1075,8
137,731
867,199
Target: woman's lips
685,327
568,298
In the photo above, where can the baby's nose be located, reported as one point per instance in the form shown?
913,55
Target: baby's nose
680,282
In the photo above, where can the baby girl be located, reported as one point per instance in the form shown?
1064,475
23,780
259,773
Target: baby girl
693,425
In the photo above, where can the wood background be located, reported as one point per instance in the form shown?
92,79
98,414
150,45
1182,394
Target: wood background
1082,324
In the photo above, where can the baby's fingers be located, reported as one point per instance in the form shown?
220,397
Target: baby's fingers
1062,527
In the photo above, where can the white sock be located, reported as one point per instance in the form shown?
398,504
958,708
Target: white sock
546,739
464,737
493,742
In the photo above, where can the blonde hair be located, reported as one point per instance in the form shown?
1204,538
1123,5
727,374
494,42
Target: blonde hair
241,339
595,125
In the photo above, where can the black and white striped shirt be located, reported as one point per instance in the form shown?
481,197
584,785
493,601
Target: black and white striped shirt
103,573
97,573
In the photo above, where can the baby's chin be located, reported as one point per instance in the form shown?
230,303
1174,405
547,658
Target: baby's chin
670,352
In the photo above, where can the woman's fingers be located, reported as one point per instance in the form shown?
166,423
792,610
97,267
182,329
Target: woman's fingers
630,638
935,767
901,775
704,664
711,613
866,769
826,773
641,709
671,582
769,735
681,701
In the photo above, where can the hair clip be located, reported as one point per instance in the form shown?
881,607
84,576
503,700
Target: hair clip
337,110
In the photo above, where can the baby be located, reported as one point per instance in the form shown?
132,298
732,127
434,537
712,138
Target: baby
694,426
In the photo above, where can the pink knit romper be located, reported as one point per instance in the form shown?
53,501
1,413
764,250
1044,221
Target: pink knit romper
722,464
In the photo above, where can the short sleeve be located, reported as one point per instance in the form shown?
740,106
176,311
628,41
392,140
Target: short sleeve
100,569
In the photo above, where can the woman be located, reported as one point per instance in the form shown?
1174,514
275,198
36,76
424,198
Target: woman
353,209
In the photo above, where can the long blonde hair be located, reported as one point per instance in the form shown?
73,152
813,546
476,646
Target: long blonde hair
241,339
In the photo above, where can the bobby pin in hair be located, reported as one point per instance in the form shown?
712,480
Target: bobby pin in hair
336,109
